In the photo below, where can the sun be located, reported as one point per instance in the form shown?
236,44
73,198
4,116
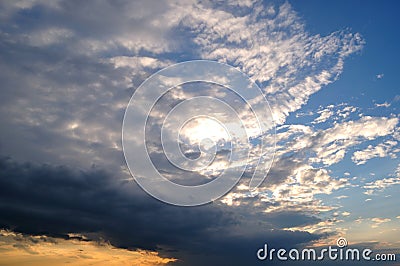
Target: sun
203,130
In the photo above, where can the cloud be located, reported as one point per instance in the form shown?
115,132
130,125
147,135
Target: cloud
381,184
324,115
78,74
135,62
288,73
331,144
49,36
385,104
377,221
381,150
290,187
132,26
296,177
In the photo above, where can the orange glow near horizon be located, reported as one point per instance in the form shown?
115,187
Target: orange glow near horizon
18,249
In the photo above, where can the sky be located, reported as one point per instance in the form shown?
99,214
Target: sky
68,69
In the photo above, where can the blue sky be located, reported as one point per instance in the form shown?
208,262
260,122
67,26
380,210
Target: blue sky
360,85
68,69
377,24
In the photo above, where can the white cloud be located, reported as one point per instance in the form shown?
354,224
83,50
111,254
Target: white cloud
345,112
271,50
324,115
300,146
385,104
377,221
49,36
381,184
381,150
331,144
298,192
367,127
136,62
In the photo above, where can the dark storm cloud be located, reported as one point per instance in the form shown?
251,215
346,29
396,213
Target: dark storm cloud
56,201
